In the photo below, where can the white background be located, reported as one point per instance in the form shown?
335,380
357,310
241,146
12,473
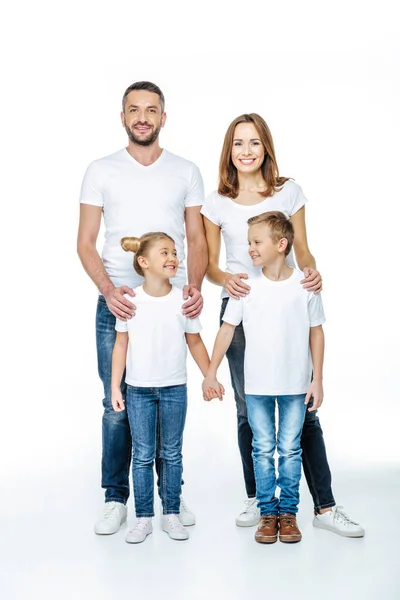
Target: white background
325,76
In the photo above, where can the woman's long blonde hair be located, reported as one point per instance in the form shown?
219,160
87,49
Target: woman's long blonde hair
228,176
141,246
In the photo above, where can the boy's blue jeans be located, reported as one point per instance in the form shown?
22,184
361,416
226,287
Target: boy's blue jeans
148,408
261,415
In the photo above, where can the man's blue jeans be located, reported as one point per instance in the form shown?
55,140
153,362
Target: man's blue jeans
148,408
261,413
315,463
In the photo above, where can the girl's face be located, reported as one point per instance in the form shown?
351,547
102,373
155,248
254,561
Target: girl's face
161,259
247,150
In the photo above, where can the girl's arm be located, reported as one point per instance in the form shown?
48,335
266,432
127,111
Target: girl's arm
304,258
317,343
221,345
118,367
200,356
232,283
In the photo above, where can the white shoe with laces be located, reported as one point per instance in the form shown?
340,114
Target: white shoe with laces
114,514
250,516
186,516
339,522
172,525
139,532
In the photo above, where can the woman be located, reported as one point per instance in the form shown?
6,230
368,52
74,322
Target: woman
249,184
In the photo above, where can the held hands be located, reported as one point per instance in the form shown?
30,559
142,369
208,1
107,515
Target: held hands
118,304
117,401
212,389
312,281
234,285
193,307
316,392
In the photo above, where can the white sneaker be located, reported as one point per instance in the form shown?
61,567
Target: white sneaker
250,516
337,521
114,514
172,525
186,516
139,532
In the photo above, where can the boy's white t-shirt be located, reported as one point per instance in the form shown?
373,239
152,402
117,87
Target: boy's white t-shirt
157,346
277,316
232,218
138,199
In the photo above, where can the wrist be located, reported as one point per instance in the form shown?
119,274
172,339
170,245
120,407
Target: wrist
317,378
106,288
194,285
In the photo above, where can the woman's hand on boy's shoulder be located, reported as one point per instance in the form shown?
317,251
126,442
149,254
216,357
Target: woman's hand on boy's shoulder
235,286
312,281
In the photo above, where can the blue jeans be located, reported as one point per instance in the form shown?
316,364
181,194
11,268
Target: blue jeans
261,413
148,408
315,463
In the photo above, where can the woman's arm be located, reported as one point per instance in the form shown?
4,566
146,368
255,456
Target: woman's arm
304,258
118,366
233,284
317,343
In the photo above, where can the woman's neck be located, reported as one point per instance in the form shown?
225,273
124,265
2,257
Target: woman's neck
156,286
251,182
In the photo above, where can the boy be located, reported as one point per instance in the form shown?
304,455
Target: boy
284,346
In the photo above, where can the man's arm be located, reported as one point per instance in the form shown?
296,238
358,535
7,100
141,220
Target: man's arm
89,226
197,261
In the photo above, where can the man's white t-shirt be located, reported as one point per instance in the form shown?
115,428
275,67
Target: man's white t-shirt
138,199
277,316
157,346
232,218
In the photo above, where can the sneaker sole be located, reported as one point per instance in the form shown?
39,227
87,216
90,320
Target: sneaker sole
187,523
98,532
247,523
354,534
178,537
138,541
266,539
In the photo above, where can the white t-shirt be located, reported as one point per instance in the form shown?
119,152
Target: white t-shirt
232,218
138,199
277,316
157,345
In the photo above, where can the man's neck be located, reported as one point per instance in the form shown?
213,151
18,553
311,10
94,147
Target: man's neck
145,155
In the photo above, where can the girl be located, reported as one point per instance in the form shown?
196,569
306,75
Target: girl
250,184
152,348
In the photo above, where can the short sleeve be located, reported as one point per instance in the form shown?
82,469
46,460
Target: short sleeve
195,195
234,312
192,325
121,326
297,200
209,209
315,309
91,192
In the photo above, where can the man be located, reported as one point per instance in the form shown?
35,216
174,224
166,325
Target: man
138,189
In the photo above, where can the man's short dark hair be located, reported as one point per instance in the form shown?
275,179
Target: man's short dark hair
148,87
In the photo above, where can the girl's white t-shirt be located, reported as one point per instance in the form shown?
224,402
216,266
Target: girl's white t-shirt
277,316
137,199
232,218
157,345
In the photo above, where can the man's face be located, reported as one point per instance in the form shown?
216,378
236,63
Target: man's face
142,117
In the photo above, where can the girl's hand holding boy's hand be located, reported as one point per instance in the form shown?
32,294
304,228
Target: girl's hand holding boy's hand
212,389
117,401
316,392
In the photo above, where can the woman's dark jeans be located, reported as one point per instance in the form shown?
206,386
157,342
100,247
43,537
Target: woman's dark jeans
315,463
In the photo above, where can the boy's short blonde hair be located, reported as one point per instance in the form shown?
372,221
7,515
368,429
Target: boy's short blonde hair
279,226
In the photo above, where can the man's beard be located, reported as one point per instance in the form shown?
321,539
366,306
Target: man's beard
147,142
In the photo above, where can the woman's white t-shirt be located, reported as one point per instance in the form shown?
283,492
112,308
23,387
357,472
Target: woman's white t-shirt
232,218
157,346
277,316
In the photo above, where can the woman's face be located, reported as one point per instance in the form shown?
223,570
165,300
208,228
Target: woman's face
247,149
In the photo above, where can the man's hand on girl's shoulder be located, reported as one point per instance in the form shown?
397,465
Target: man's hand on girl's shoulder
193,307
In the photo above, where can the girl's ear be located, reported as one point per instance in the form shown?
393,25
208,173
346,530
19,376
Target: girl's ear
282,245
143,262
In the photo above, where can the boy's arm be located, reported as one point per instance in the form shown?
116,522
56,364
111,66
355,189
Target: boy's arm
317,343
200,356
118,367
221,345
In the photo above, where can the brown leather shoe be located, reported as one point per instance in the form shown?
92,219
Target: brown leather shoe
288,530
267,532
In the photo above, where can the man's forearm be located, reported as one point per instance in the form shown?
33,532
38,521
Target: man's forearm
94,267
197,262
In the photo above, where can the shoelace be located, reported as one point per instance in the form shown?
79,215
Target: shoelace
341,516
174,522
109,512
141,524
268,520
288,521
249,505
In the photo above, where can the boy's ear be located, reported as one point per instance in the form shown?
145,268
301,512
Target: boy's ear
282,245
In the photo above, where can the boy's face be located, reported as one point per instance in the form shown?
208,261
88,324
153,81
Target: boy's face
262,249
161,260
